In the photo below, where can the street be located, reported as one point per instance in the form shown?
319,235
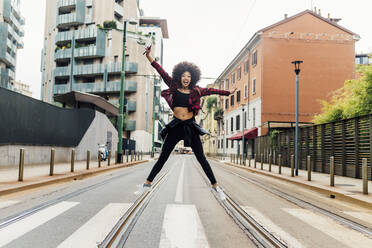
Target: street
182,212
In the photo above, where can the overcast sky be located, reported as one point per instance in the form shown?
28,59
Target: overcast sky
209,33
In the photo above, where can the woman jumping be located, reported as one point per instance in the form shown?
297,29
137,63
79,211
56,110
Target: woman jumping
183,97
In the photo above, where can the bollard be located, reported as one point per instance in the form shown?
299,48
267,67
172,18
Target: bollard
332,171
127,153
308,168
261,161
88,159
292,165
365,176
249,160
135,156
255,160
141,155
109,158
138,156
231,158
51,169
21,164
280,164
72,160
131,156
116,157
241,159
99,159
270,158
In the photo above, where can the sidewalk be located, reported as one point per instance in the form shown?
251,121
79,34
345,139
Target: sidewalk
38,175
346,188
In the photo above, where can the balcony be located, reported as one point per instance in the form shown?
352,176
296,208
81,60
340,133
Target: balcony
62,54
129,86
89,52
17,25
62,71
63,37
131,105
66,5
130,67
10,59
82,35
93,69
11,73
119,10
89,87
66,20
60,89
130,125
11,45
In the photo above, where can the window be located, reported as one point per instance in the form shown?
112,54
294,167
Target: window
227,143
254,86
239,72
218,144
227,84
238,122
238,96
232,100
232,124
254,116
116,59
233,78
246,66
254,58
245,91
227,104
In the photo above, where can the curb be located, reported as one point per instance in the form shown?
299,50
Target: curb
328,192
66,177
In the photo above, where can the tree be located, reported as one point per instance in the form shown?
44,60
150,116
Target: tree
353,99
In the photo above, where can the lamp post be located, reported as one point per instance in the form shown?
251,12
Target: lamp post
243,133
297,71
121,99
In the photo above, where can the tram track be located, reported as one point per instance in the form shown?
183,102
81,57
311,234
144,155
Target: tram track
306,205
256,232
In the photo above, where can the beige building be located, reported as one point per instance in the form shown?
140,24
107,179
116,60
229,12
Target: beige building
22,88
11,33
79,56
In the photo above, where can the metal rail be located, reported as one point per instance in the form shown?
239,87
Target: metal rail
120,232
257,233
304,204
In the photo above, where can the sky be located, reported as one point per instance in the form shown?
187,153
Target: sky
209,33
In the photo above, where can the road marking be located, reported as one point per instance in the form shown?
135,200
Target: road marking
179,192
182,228
96,229
332,228
360,215
272,228
16,230
4,204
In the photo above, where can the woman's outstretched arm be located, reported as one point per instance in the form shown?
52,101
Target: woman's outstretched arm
210,91
167,79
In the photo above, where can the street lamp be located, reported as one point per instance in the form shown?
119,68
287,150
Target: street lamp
243,133
297,71
121,99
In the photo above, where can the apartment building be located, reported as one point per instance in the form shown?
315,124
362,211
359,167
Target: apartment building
78,55
265,77
22,88
11,33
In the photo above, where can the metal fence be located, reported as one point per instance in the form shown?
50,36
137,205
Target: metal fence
349,141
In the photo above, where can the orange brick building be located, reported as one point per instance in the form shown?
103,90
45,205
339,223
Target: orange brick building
265,78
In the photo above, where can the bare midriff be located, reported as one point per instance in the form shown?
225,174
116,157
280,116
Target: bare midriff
182,113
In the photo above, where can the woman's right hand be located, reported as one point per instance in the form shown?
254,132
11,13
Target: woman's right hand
148,54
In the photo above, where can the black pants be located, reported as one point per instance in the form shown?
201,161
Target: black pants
174,136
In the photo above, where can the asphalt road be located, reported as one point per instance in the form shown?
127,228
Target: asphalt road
182,213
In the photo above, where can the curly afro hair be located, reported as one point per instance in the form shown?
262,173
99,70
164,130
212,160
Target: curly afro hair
180,68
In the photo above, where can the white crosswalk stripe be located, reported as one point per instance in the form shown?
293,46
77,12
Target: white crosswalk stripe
4,204
182,228
272,228
360,215
332,228
16,230
96,229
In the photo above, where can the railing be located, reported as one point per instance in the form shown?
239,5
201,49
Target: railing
130,125
62,71
67,19
86,33
349,141
90,51
129,86
61,89
132,106
93,69
63,54
66,3
11,45
119,9
130,67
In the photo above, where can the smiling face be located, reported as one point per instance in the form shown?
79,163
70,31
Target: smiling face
185,79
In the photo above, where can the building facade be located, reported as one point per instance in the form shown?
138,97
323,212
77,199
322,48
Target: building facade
265,78
79,55
11,33
22,88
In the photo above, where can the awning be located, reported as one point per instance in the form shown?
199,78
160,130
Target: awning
248,134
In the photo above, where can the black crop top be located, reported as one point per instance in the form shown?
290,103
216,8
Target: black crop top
181,99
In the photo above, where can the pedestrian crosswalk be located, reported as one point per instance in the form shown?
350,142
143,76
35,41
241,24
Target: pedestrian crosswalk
181,226
4,204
